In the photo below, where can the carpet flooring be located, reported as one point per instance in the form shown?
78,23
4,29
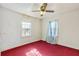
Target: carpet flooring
41,48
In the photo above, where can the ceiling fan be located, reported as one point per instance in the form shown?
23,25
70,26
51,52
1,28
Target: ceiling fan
43,9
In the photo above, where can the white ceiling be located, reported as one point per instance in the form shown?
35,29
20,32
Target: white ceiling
27,8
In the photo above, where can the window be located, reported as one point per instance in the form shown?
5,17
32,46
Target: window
53,28
26,29
52,32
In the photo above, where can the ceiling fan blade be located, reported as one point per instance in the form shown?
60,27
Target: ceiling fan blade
50,11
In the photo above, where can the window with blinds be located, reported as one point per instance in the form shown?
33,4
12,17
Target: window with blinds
26,29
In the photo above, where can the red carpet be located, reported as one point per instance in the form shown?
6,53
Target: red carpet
41,48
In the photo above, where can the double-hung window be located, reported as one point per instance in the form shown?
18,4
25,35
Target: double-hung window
26,29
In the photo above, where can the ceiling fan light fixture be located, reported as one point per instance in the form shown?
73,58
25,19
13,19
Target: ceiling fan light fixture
43,8
41,13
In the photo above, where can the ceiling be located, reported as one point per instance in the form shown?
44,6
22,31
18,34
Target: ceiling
27,8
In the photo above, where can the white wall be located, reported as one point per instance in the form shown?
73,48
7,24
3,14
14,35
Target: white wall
10,29
68,28
0,28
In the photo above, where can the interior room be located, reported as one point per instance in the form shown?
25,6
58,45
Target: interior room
39,29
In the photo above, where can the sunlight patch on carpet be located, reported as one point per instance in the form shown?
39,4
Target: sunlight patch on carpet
33,52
